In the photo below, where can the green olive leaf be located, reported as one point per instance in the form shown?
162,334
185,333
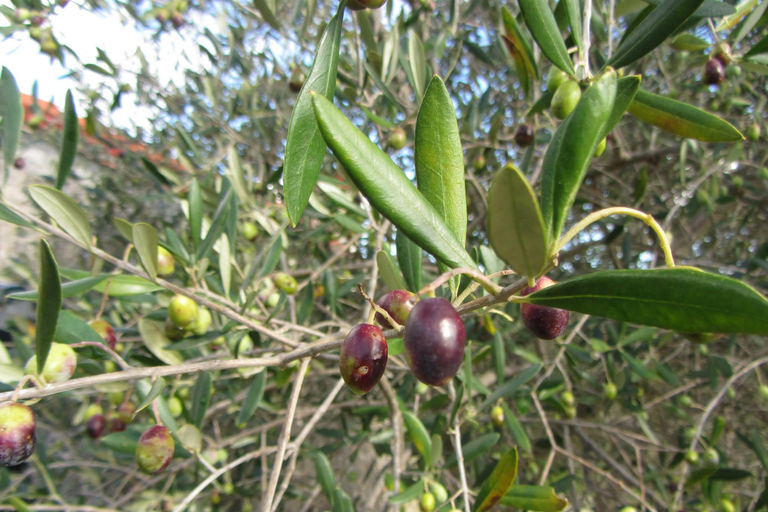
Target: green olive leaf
12,114
653,30
475,449
419,436
541,22
65,211
682,299
305,149
387,188
515,225
571,151
154,338
536,498
155,390
252,399
7,215
689,43
573,13
515,36
409,257
69,136
498,484
682,119
516,429
439,158
389,272
69,289
195,200
48,304
145,240
626,89
324,472
410,494
201,397
418,63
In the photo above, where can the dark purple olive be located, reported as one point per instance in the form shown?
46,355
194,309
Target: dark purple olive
524,135
96,426
714,72
19,163
115,423
543,322
434,341
154,450
296,81
398,303
17,433
363,358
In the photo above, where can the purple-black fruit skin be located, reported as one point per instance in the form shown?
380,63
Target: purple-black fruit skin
17,441
155,449
398,303
96,426
714,72
434,341
524,135
363,357
543,322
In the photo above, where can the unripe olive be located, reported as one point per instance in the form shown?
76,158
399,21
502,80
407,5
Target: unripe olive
165,262
17,433
497,416
691,457
427,503
628,509
296,81
125,411
479,163
91,411
727,505
722,52
398,304
565,99
524,405
397,139
763,391
610,391
250,231
175,406
154,450
359,5
555,79
182,310
600,148
60,365
172,331
711,457
115,397
286,283
568,398
762,173
106,331
202,322
272,300
688,434
441,494
753,132
686,401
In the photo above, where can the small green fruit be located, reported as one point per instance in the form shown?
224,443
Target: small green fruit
610,391
115,398
91,411
479,163
172,331
727,506
565,99
397,139
555,79
763,391
182,310
389,482
497,416
106,331
628,509
686,401
272,300
711,457
427,503
762,173
601,147
165,262
570,411
568,398
17,433
286,283
60,365
203,321
688,434
691,457
174,405
524,405
154,450
125,412
441,494
249,231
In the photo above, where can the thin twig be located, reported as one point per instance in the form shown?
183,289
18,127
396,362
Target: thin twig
397,427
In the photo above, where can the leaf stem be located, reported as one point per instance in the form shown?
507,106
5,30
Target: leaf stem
478,276
619,210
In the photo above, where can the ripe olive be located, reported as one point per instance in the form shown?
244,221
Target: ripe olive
524,135
543,322
154,450
363,358
714,72
17,433
96,426
106,331
398,304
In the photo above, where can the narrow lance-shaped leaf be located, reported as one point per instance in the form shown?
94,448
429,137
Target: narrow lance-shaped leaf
653,30
69,289
682,119
573,12
535,498
541,22
419,436
195,200
626,89
48,304
70,133
418,63
325,475
12,114
439,158
500,481
65,211
252,399
157,388
515,226
305,148
201,396
145,240
409,256
515,36
387,188
388,271
682,299
572,149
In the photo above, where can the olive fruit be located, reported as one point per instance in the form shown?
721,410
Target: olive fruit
202,322
398,304
434,341
172,331
565,99
17,433
568,398
763,391
91,411
497,416
165,262
286,283
727,505
249,231
427,503
601,147
19,163
397,139
685,401
296,81
440,492
610,391
543,322
524,135
722,53
96,426
154,450
175,406
753,132
182,310
524,404
555,79
60,365
363,358
359,5
628,509
479,163
714,72
114,422
711,457
125,411
177,20
106,331
691,457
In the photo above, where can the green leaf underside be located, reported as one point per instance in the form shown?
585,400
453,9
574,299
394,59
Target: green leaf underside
388,271
69,289
571,151
709,9
145,240
65,211
573,12
499,483
515,225
305,148
439,158
681,299
654,30
68,141
626,89
541,22
48,304
682,119
120,285
534,498
387,188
